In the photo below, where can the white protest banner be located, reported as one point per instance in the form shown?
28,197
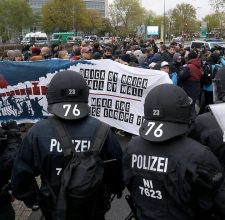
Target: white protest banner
116,96
117,91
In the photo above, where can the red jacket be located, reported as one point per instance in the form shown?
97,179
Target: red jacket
195,69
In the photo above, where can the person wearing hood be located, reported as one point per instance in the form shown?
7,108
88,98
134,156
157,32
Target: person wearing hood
177,61
189,78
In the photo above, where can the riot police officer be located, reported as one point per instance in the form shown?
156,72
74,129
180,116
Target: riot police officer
170,176
208,129
41,152
9,144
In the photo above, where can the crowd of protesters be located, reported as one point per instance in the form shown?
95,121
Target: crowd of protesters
184,65
185,68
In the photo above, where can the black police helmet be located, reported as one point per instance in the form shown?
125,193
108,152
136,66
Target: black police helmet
67,95
167,111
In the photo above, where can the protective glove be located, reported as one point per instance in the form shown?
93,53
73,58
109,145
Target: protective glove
208,179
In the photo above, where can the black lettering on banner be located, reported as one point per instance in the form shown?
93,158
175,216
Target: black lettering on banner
116,115
140,92
145,83
98,111
114,87
134,92
121,116
95,85
102,76
109,103
104,103
111,87
117,106
126,117
97,74
131,118
89,83
123,89
101,85
115,77
110,113
139,82
134,82
92,74
127,107
93,102
122,106
95,111
140,120
129,90
129,80
106,113
92,111
86,73
110,76
123,79
99,102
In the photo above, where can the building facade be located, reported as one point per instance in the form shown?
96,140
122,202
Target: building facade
36,5
100,5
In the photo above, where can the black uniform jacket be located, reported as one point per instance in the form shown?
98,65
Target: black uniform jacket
42,155
178,179
7,158
206,130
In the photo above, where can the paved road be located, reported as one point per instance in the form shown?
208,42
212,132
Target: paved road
119,207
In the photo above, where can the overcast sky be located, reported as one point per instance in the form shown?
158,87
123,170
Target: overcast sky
202,6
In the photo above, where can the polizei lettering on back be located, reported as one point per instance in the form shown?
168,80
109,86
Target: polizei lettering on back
79,145
146,162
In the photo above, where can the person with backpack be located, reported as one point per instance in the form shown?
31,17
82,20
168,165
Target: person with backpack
210,69
77,157
189,79
170,176
10,141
